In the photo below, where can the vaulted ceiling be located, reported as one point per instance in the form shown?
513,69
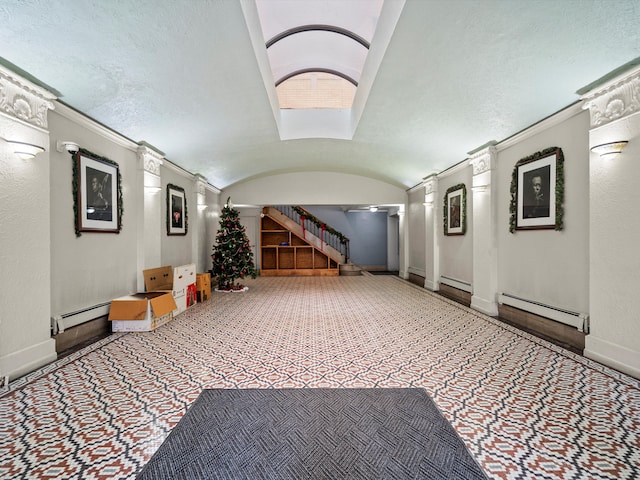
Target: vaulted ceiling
442,77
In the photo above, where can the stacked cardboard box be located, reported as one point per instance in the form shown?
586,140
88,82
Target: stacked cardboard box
203,286
180,281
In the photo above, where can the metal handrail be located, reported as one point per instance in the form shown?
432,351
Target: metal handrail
337,241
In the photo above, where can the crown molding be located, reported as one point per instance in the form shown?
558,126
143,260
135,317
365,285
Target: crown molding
24,100
544,124
95,126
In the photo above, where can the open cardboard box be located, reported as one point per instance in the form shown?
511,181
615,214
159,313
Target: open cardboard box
141,312
180,281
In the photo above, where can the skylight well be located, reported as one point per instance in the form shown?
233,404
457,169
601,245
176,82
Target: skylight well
317,49
316,53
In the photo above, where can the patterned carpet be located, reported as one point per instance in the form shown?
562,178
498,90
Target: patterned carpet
526,409
313,433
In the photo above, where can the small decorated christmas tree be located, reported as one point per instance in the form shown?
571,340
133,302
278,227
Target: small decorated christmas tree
232,255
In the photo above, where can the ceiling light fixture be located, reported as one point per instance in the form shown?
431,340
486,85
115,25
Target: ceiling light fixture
373,209
25,151
612,148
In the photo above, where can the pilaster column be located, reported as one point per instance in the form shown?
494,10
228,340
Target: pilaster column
485,258
403,244
432,245
149,203
614,264
25,240
198,225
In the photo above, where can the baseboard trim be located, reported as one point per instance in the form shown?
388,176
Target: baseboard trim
615,356
27,360
485,306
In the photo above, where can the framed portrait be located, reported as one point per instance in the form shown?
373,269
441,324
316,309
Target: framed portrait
176,211
98,195
538,191
455,210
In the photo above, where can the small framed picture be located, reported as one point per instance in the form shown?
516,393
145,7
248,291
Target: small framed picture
455,206
176,211
536,192
98,197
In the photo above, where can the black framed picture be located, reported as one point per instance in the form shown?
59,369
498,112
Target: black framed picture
98,194
176,210
455,210
536,192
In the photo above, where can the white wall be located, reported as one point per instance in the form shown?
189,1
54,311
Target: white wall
178,249
548,266
315,188
456,251
416,232
94,267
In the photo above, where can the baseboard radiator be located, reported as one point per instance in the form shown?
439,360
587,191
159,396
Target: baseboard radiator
574,319
459,284
67,320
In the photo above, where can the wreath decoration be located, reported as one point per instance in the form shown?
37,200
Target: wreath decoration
559,189
75,186
463,208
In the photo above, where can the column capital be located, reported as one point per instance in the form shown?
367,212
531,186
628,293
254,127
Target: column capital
483,160
24,100
149,159
614,99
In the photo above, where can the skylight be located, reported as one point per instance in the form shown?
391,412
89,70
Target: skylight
316,49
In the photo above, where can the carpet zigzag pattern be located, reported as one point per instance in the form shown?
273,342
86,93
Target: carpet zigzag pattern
526,409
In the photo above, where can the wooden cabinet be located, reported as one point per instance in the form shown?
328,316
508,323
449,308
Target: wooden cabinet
285,253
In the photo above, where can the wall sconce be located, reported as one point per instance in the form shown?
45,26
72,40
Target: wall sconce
152,189
428,203
25,151
479,188
612,148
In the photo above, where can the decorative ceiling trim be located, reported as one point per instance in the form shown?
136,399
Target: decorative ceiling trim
484,160
23,100
317,70
318,28
616,99
150,160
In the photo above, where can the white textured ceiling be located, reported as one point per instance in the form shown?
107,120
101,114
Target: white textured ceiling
182,75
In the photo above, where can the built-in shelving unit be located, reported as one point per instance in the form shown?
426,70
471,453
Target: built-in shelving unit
285,253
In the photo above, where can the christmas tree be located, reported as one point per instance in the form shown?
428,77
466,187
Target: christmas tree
232,255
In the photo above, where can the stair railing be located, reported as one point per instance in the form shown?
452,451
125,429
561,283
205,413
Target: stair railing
327,234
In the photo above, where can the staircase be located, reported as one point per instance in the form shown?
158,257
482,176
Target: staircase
288,247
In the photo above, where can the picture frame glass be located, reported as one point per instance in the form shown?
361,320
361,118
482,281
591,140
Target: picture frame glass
176,211
454,212
98,195
536,193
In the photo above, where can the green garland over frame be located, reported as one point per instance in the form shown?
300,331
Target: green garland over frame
186,213
75,180
463,208
559,186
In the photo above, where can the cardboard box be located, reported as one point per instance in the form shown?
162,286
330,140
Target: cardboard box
158,279
141,312
184,286
203,286
180,281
